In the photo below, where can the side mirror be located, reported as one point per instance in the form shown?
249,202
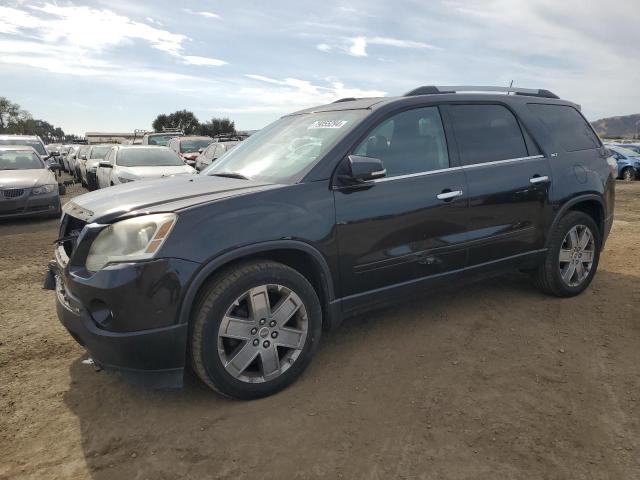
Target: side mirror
365,169
200,150
104,164
55,166
54,154
83,157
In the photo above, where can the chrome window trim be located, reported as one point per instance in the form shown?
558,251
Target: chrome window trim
500,162
453,169
417,174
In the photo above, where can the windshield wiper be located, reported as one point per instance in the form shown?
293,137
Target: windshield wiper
229,175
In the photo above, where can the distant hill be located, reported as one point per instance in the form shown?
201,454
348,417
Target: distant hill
618,127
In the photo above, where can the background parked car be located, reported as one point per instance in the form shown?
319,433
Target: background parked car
78,159
89,168
215,151
629,146
160,138
68,152
27,186
126,163
628,162
189,148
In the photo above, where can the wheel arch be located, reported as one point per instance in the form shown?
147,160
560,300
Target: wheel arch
590,204
300,256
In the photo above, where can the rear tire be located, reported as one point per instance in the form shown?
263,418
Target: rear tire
246,347
567,269
628,174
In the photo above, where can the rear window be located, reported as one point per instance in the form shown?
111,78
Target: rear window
100,152
564,121
23,142
487,133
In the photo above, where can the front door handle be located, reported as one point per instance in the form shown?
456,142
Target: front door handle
538,179
447,195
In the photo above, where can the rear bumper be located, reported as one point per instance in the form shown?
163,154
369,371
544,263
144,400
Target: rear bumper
154,357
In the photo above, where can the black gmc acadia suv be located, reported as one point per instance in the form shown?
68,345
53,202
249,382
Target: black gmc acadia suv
324,213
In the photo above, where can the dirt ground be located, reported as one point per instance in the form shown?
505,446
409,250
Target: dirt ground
493,381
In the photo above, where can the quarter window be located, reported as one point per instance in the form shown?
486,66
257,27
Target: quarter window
409,142
487,133
568,125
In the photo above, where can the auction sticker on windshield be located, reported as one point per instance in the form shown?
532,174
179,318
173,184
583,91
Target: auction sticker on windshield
327,124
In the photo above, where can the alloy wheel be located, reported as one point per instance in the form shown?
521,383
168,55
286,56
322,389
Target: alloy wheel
576,257
262,333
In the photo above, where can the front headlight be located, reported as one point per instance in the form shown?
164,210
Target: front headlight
42,189
137,238
125,180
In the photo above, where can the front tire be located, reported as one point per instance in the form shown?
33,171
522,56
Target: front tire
256,328
572,257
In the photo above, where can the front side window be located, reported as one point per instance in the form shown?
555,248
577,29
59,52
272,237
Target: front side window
19,160
567,124
288,146
148,157
409,142
487,133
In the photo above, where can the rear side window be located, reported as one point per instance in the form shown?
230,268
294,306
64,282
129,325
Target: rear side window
572,130
487,133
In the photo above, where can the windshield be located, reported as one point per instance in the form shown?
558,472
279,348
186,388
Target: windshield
100,152
288,146
190,146
23,142
626,152
161,140
148,157
19,160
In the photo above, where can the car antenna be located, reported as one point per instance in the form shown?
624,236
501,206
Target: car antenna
510,86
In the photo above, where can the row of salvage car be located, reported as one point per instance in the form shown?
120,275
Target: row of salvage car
29,172
161,155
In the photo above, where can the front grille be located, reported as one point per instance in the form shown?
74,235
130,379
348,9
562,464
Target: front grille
13,192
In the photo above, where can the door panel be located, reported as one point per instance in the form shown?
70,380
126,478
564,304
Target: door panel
508,182
507,212
398,230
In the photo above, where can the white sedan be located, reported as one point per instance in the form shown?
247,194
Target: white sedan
127,163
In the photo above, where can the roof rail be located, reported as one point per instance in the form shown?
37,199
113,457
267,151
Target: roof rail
346,99
432,89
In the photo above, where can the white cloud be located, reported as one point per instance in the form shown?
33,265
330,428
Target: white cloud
292,93
201,13
211,62
357,46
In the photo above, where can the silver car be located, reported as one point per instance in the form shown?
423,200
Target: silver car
27,186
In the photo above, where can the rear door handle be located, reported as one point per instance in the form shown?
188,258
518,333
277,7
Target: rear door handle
538,179
448,195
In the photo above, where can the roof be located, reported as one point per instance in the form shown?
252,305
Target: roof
138,146
15,147
466,93
31,137
194,137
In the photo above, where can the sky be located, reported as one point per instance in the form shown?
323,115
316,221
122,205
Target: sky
114,65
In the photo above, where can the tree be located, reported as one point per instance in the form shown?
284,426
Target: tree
182,119
218,126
